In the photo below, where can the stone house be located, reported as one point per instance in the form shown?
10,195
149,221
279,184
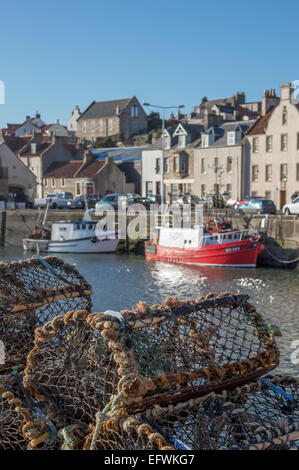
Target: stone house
40,151
179,147
87,176
15,177
273,147
220,164
119,118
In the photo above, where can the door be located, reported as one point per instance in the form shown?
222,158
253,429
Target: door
282,198
158,188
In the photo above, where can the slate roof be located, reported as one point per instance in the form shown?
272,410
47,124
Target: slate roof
74,169
102,109
262,123
16,143
221,131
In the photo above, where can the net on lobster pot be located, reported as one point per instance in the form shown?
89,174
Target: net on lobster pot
257,416
71,369
33,292
179,349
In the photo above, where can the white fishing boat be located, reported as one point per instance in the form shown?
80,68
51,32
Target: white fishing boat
82,236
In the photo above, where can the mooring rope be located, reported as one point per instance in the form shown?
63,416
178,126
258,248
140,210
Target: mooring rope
280,260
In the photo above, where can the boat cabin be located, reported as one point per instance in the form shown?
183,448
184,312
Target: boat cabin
73,230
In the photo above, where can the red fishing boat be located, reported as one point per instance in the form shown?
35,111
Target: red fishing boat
218,247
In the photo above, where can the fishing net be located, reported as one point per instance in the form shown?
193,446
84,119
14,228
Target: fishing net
33,292
22,424
176,349
71,369
128,433
260,415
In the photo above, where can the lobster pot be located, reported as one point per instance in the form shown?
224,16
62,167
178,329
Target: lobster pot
23,426
175,348
258,416
33,292
71,370
128,433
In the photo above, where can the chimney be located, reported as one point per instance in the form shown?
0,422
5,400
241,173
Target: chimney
87,156
241,98
37,115
269,100
57,121
234,101
285,92
33,148
28,118
117,110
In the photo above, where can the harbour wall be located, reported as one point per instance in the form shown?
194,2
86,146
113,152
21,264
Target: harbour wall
18,224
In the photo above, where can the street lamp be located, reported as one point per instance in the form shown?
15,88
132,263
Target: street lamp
180,106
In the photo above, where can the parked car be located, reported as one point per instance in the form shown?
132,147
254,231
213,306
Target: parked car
292,207
57,201
117,201
257,206
154,198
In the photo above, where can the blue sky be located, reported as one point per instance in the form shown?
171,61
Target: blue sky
57,54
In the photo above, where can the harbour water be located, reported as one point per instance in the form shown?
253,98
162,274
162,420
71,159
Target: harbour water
120,281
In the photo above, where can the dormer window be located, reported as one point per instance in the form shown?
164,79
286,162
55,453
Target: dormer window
231,138
182,141
205,141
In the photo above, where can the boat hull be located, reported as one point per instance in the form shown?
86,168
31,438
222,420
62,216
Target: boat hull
86,245
236,254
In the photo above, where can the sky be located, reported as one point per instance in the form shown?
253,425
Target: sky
58,54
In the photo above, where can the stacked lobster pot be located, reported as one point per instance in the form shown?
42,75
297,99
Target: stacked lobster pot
180,375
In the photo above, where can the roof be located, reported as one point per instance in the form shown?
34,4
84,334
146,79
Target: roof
119,154
101,109
221,131
74,169
261,124
41,147
16,143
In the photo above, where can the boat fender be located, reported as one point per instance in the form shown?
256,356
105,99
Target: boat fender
93,239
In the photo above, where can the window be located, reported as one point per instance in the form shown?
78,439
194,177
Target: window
110,124
149,188
46,182
134,110
284,142
62,181
268,194
92,139
175,164
231,138
283,172
298,141
167,142
297,172
255,171
205,140
166,165
93,126
53,182
216,164
182,141
101,125
203,165
269,143
229,164
78,188
203,190
268,172
157,167
255,144
84,127
183,165
229,190
254,193
284,115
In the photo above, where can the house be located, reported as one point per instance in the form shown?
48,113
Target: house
15,177
72,125
220,163
34,125
272,145
179,146
87,176
39,151
122,118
